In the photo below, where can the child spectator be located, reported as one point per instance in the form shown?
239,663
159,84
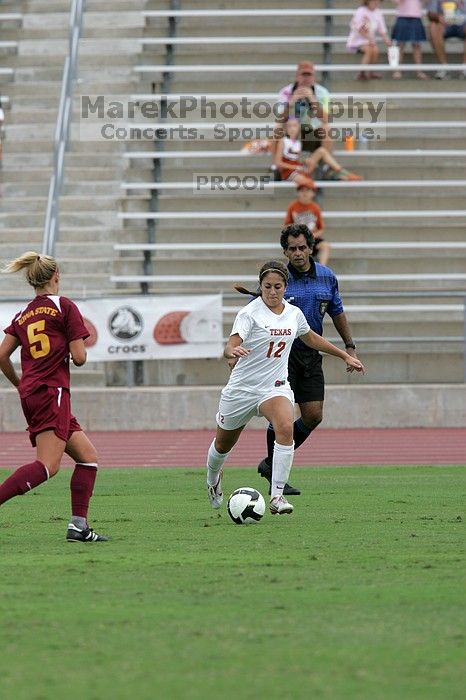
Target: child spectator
288,159
366,24
409,28
447,21
304,211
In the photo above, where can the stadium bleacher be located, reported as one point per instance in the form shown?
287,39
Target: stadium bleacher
398,232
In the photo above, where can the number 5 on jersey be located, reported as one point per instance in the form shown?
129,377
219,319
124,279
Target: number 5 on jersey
280,347
39,343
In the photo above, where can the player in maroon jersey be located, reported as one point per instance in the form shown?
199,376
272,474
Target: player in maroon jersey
49,331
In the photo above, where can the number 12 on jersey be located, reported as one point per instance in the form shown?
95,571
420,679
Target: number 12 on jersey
276,349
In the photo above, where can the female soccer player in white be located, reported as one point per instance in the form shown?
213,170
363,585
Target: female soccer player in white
258,384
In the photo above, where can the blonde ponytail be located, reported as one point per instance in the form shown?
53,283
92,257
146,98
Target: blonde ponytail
39,268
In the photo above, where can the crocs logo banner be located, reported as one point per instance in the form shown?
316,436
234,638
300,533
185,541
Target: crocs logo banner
125,323
146,328
172,327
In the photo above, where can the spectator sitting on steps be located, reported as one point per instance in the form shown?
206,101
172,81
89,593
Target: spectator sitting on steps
366,23
308,102
290,166
447,21
409,28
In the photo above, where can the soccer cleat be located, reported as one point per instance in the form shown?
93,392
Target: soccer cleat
265,470
279,504
215,493
74,534
441,74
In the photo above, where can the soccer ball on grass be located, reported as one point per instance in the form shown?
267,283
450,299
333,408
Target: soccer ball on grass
246,506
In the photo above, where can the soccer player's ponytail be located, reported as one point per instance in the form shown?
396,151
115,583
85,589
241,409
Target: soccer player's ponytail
39,268
272,266
243,290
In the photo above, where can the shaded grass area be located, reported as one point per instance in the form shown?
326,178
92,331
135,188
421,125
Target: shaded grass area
359,594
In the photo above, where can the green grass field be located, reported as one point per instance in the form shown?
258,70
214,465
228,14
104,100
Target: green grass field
360,594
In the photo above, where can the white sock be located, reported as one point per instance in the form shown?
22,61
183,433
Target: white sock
215,461
281,467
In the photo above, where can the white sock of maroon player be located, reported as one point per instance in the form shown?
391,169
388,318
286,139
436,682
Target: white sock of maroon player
281,467
81,486
215,462
24,479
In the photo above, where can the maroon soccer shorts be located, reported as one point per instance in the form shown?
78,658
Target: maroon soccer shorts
49,408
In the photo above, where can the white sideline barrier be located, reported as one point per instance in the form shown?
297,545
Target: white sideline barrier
321,184
276,215
337,245
385,308
6,71
289,68
417,277
246,124
256,13
8,44
412,153
10,17
258,96
223,40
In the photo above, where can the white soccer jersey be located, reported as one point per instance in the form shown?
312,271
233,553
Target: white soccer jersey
269,336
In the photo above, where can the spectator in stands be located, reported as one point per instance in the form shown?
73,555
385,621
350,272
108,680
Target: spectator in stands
409,28
304,211
308,101
290,165
366,23
447,21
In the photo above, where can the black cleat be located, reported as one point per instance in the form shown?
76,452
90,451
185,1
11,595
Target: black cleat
265,470
74,534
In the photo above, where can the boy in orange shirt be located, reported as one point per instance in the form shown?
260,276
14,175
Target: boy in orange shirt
304,211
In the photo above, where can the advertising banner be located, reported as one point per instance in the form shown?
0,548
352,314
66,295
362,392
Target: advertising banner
146,327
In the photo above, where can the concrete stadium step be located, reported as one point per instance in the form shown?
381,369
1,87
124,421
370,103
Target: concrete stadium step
75,285
222,232
68,203
91,174
71,234
86,376
335,200
64,249
107,219
370,169
391,364
355,264
347,286
268,82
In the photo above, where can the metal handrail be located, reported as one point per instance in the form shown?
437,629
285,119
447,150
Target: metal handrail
62,128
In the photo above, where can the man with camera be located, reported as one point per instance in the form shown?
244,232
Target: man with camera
307,101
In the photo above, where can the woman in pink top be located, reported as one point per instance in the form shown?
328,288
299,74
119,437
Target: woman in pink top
409,28
366,24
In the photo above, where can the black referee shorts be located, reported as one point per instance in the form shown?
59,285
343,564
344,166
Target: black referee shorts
305,375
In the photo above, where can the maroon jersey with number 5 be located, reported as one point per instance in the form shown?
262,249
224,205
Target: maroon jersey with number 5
44,329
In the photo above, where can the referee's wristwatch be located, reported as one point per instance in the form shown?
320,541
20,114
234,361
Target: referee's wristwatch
350,345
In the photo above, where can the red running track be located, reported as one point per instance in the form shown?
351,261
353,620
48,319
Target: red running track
187,448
